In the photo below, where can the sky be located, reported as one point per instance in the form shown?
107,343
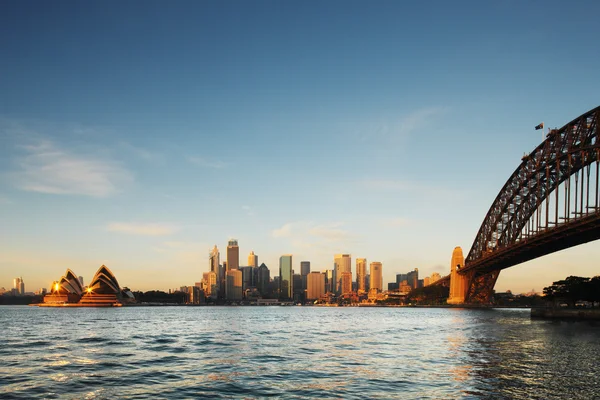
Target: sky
140,134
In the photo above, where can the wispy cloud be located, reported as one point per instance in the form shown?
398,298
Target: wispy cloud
142,153
48,168
143,229
397,129
305,234
207,163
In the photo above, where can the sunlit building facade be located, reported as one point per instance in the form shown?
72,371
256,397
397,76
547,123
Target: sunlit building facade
233,255
233,288
252,259
342,263
346,282
286,278
315,285
376,278
361,275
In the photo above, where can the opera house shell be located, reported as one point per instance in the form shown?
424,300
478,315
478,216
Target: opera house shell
103,291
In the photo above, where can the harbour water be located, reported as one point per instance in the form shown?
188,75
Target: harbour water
294,352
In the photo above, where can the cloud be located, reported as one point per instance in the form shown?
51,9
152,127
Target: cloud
329,232
142,153
141,229
204,162
47,168
284,231
396,130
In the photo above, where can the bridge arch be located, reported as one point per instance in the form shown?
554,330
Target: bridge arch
549,203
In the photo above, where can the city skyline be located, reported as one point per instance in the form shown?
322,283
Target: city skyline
311,129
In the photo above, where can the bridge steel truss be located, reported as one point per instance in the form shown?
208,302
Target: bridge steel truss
549,203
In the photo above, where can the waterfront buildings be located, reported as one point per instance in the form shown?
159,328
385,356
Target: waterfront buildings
233,255
376,280
342,263
252,259
315,285
361,275
286,282
329,284
103,291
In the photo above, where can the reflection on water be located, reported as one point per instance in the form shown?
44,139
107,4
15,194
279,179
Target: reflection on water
294,352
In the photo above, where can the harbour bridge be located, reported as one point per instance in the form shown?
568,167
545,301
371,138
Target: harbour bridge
548,204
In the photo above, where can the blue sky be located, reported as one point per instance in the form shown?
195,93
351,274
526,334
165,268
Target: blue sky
140,134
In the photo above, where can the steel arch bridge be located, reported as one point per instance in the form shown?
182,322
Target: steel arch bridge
549,203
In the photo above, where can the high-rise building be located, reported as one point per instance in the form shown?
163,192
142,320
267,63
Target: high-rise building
315,285
346,282
286,281
214,259
19,286
434,277
361,275
342,263
234,285
329,281
210,284
263,277
304,268
426,281
252,259
298,288
376,274
247,278
233,255
413,278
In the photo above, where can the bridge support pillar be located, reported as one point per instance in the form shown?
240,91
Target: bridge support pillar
459,284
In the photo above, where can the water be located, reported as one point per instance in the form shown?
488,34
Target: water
294,352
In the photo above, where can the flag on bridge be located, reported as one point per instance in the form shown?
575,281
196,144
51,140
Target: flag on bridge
540,126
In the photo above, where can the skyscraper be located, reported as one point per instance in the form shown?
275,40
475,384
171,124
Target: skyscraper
361,274
263,278
19,286
252,259
214,260
286,281
346,282
234,285
304,268
342,263
413,278
376,280
233,255
315,287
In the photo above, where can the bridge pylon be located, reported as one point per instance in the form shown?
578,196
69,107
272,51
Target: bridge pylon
459,283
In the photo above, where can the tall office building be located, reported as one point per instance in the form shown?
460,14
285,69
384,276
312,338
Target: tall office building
376,279
233,288
211,284
435,277
304,268
361,275
262,279
346,282
286,279
315,285
19,286
214,259
412,278
233,255
252,259
247,278
329,285
342,263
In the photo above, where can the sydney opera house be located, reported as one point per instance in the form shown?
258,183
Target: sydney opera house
103,291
